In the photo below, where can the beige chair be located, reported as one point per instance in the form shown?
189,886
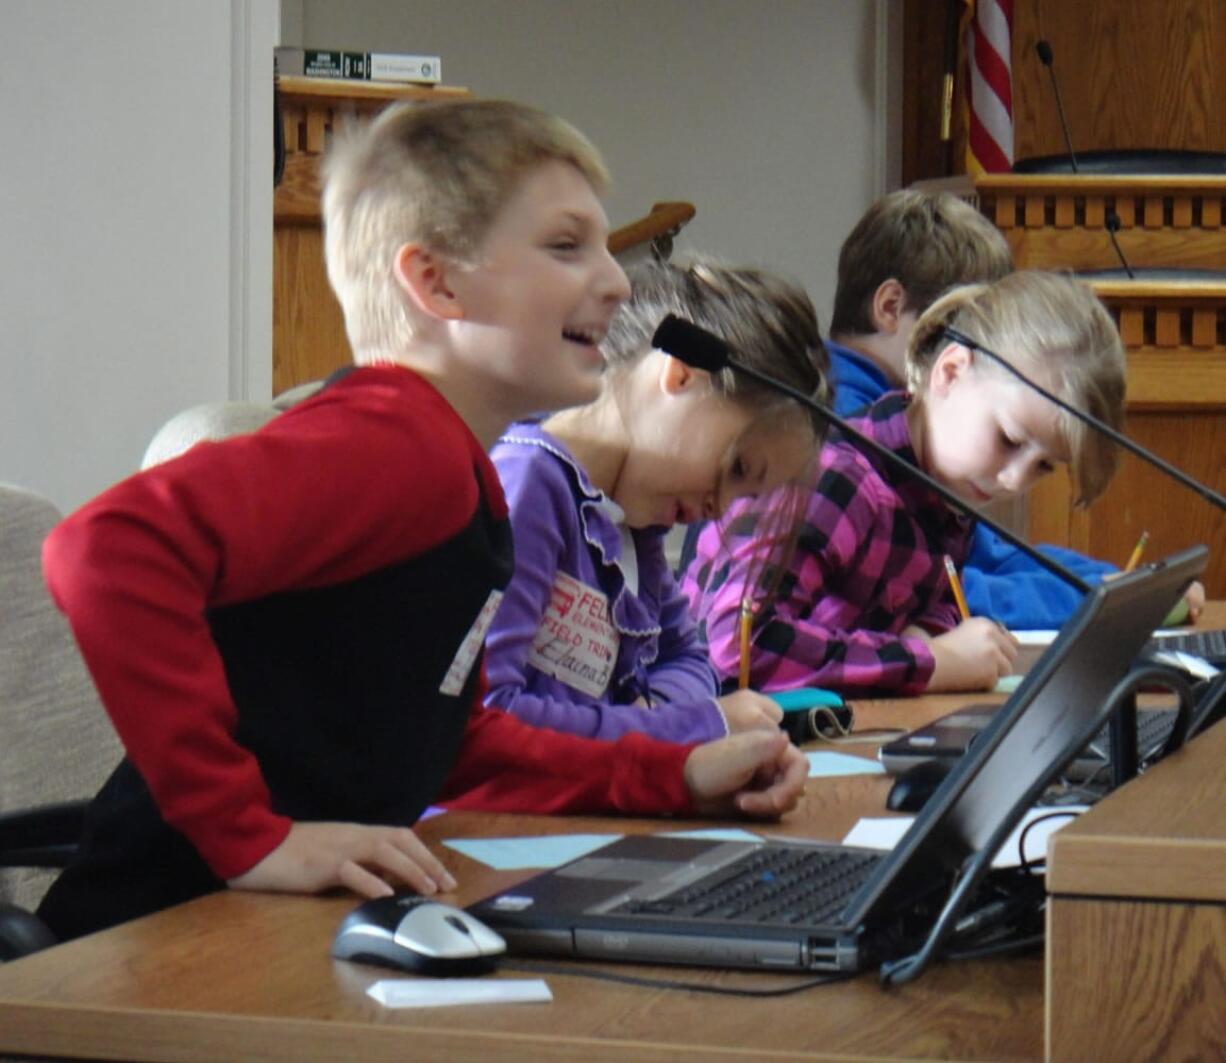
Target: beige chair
218,420
56,742
57,745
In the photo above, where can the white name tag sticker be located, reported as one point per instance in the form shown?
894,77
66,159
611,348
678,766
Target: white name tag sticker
457,673
576,642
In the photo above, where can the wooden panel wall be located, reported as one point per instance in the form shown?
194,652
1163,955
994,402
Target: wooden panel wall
1132,73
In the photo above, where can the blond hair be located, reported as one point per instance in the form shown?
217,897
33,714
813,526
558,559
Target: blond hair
928,243
1051,327
430,173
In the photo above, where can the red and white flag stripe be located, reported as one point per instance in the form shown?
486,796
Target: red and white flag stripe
990,132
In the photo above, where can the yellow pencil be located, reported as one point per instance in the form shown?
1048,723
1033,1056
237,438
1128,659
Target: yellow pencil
746,623
1137,551
955,585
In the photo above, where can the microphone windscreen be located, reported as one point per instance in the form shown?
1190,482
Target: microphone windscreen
1045,53
695,346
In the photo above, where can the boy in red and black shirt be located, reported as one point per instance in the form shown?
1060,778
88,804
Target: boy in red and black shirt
286,627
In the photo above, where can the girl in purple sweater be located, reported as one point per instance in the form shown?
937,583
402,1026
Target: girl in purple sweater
593,635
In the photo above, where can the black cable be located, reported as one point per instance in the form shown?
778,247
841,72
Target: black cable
976,865
529,967
1027,866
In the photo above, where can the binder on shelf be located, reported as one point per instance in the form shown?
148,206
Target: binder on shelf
358,66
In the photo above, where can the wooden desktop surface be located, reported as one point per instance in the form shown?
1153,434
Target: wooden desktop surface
248,976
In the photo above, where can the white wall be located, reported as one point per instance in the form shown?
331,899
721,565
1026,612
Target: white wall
771,116
135,277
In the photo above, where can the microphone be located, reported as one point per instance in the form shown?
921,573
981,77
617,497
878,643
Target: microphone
1043,48
700,349
1112,221
1204,490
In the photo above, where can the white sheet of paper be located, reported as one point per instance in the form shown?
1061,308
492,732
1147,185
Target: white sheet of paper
1036,636
884,832
443,992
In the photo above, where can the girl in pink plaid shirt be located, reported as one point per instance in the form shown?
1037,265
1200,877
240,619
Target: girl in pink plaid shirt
864,604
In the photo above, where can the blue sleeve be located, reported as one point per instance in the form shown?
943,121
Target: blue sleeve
1001,582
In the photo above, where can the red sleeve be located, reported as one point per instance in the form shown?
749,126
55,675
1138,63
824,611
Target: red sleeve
308,501
506,765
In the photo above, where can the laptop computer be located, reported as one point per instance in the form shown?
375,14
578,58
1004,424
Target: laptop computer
658,899
1209,644
947,738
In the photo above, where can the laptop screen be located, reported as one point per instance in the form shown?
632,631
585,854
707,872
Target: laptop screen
1056,709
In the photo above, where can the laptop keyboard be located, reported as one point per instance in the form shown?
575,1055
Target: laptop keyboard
1154,727
1211,645
774,884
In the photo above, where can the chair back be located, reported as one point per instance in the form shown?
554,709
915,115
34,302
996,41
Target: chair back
56,742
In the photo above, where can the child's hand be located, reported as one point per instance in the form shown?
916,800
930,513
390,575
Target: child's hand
973,656
1195,597
747,710
758,774
371,861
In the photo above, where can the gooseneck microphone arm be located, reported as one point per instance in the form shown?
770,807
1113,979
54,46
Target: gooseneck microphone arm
1112,223
700,349
1047,58
1204,490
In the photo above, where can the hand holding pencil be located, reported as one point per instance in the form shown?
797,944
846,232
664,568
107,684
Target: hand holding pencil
975,654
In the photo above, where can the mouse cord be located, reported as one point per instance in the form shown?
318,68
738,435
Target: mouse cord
529,967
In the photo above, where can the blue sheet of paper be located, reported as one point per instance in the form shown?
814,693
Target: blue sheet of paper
543,850
826,762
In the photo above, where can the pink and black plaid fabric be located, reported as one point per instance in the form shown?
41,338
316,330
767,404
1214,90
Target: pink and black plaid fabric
868,564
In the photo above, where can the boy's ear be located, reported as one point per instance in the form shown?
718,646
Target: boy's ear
953,362
422,274
889,304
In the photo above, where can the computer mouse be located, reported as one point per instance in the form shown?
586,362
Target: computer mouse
413,933
914,786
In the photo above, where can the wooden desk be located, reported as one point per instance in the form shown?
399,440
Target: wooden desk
247,976
1136,928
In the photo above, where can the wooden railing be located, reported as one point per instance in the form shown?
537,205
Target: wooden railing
657,228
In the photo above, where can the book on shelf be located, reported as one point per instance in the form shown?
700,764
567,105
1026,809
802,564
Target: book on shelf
358,66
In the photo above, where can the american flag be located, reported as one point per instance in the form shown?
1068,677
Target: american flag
989,144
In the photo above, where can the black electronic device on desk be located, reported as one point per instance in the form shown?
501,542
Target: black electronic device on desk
948,738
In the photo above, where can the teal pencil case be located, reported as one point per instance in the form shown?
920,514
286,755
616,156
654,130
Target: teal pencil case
804,698
813,712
